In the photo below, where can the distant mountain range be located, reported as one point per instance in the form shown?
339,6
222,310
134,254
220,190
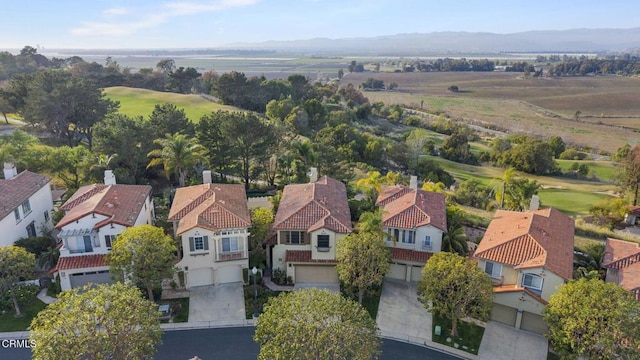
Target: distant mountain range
547,41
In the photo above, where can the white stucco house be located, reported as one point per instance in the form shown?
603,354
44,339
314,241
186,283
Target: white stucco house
212,222
94,216
25,205
528,256
414,221
311,218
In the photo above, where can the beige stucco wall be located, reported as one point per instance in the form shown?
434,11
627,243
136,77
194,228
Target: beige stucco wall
551,282
421,233
510,276
519,300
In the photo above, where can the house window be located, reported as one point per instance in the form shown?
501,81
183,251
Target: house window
96,241
426,243
16,213
46,216
294,237
198,243
532,281
109,239
396,234
408,236
493,269
26,207
323,243
31,229
229,244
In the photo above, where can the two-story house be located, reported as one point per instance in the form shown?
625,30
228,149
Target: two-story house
310,219
25,205
414,221
94,216
529,256
622,261
212,221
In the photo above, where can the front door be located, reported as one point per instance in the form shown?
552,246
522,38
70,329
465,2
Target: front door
88,247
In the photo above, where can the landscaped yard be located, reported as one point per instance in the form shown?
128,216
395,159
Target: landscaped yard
370,303
468,339
9,321
182,306
264,294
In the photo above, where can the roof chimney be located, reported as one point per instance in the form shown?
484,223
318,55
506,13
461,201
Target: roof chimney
206,177
313,174
535,203
413,183
10,170
109,177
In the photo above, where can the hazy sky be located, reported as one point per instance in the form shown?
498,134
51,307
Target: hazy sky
208,23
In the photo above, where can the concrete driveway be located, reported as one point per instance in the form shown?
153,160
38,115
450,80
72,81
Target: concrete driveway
223,302
400,314
503,342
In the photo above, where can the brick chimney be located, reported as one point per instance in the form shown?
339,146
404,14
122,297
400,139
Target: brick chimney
10,170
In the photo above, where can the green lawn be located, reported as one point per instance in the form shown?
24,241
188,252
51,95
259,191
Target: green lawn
9,322
183,314
603,170
468,339
571,202
264,294
140,102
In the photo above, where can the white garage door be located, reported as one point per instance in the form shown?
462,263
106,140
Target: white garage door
200,277
316,274
229,274
397,271
95,277
416,273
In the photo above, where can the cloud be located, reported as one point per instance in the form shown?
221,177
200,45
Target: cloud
153,19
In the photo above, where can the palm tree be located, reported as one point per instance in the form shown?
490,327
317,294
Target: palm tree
374,181
177,154
304,152
455,240
438,187
371,222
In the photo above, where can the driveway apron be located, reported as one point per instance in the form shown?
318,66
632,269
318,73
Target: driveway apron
503,342
400,314
216,303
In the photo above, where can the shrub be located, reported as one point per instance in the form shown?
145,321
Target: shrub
24,295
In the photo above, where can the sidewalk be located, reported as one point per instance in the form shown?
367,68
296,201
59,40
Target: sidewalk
42,295
266,280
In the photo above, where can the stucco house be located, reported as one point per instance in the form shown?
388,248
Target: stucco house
25,205
311,218
94,216
212,222
528,256
414,221
622,261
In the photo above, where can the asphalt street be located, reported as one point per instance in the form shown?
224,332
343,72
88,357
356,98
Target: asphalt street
237,343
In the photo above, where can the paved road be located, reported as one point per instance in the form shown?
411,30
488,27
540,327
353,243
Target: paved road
237,343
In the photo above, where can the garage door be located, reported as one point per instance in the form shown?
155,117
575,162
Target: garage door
200,277
397,271
416,273
229,274
504,314
316,274
534,323
95,277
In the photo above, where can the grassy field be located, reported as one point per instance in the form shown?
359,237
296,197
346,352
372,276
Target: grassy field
140,102
603,170
9,321
541,106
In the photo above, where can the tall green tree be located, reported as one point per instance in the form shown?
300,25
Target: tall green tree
16,264
144,255
363,261
69,164
261,222
593,319
315,324
629,177
218,150
169,119
455,287
99,322
455,239
513,192
177,154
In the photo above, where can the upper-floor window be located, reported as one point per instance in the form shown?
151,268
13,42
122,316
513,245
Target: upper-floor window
46,216
26,207
109,239
532,281
493,269
402,235
323,242
426,243
16,213
229,244
198,243
294,237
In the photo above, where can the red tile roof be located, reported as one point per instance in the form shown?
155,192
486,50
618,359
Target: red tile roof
410,255
624,256
313,206
635,210
410,208
303,256
210,206
542,238
18,189
80,262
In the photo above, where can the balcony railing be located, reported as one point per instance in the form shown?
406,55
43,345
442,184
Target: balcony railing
231,255
66,251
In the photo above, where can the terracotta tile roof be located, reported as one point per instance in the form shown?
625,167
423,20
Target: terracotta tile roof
410,255
312,206
514,288
121,204
624,256
635,210
542,238
14,191
304,256
410,208
210,206
80,262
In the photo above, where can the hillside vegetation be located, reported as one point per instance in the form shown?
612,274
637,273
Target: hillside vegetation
140,102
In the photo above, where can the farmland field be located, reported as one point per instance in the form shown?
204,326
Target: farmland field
545,106
141,102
